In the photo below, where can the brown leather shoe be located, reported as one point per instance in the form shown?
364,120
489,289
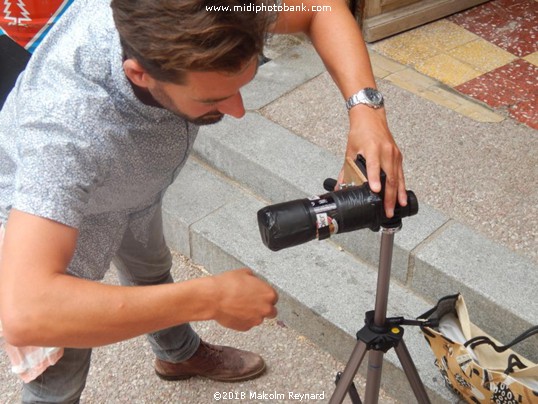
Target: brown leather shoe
215,362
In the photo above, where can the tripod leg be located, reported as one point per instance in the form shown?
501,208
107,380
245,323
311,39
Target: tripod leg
352,390
411,373
373,377
346,379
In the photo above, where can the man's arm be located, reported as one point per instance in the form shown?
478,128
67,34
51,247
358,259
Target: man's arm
338,40
41,305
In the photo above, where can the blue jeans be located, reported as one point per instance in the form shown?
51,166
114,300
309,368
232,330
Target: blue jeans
137,264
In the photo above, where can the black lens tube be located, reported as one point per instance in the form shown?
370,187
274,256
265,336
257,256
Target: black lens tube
296,222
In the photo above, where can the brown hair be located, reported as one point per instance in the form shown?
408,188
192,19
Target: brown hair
168,38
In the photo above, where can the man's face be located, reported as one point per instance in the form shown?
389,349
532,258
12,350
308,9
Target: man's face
205,97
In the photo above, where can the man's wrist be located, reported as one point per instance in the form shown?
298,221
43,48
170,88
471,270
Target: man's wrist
368,96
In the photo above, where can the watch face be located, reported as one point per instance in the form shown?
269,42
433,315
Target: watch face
374,96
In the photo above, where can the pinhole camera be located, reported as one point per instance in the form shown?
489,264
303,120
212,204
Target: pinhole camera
353,207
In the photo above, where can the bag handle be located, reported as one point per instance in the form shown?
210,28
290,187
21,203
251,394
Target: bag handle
482,339
444,306
514,362
513,359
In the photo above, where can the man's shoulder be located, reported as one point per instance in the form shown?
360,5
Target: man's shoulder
64,106
78,50
73,75
64,121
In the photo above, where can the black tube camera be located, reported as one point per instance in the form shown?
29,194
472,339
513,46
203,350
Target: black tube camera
352,208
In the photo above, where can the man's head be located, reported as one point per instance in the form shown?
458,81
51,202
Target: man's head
171,43
169,38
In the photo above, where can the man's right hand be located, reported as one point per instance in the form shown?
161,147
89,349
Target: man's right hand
243,300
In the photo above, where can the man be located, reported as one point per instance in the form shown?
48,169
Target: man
95,130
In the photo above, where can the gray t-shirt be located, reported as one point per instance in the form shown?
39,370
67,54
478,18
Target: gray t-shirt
77,146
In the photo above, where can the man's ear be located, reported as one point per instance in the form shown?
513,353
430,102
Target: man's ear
136,73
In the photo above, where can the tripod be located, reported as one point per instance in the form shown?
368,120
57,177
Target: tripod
378,336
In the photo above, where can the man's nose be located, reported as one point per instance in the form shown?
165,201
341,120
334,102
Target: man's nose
233,106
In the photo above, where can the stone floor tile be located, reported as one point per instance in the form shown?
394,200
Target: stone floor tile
525,74
481,19
448,70
424,42
532,58
479,113
407,48
412,81
526,112
482,55
444,35
510,24
507,86
442,97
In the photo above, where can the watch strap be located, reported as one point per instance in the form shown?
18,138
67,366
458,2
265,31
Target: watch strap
361,97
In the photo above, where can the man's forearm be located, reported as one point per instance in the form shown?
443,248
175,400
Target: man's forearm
339,42
70,312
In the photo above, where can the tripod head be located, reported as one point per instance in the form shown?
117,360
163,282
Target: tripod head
351,208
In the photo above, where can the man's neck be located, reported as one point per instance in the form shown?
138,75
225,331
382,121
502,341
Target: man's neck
144,95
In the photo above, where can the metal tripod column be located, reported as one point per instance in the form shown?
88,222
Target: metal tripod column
375,357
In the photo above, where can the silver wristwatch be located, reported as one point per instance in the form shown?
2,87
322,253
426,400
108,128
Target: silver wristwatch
367,96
